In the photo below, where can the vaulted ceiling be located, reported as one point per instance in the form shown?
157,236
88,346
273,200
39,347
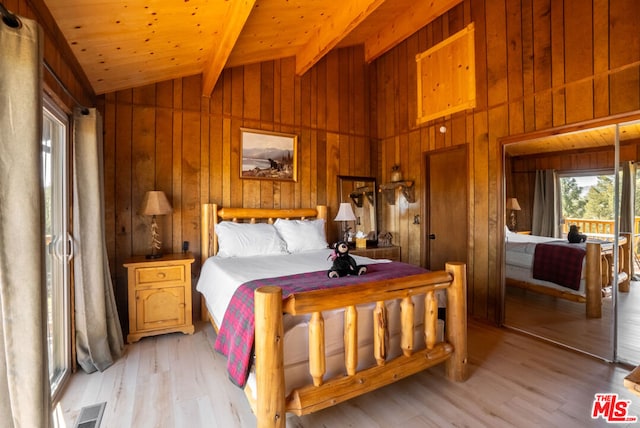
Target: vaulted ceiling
130,43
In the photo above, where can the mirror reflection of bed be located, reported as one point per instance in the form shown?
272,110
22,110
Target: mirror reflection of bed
557,315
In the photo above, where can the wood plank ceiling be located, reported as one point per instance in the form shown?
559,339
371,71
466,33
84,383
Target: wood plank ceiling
598,137
131,43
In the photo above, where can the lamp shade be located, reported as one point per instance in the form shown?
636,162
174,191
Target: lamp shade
512,204
345,212
155,202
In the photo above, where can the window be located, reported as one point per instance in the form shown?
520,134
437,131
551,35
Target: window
587,200
55,179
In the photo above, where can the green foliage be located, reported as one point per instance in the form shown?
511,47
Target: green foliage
599,198
572,201
595,204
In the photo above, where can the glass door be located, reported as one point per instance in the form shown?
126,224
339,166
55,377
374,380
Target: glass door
58,247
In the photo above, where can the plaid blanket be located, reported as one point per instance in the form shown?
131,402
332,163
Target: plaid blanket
236,334
559,262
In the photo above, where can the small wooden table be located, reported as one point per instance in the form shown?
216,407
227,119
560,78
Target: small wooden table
159,295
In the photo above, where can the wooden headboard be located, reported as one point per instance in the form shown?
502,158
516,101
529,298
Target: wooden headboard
212,215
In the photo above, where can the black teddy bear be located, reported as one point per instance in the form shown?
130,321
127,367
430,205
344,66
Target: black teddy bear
574,235
343,263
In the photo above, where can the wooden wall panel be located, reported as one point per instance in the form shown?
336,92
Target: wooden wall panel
624,56
557,61
534,71
520,171
539,64
167,137
123,196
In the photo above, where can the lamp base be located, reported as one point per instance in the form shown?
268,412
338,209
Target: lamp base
153,256
512,221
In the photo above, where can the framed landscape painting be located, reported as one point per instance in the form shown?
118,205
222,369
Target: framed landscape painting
268,155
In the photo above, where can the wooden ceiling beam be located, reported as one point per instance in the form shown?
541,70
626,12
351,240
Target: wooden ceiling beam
329,35
419,14
237,15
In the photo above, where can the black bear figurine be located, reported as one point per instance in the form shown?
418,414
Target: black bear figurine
574,236
343,263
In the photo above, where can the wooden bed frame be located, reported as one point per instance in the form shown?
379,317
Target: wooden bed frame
271,404
599,277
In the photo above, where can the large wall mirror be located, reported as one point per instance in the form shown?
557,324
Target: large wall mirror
360,192
585,178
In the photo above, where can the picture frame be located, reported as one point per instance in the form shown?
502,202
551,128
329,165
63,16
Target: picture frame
268,155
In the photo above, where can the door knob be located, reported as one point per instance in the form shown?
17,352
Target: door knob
432,236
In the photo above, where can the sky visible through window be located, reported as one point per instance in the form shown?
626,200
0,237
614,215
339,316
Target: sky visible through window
585,182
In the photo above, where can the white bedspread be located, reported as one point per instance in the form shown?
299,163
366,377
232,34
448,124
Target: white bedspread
519,254
220,277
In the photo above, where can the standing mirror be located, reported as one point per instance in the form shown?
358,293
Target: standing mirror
360,192
554,289
628,302
591,181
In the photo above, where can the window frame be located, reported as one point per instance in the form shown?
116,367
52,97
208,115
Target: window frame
59,356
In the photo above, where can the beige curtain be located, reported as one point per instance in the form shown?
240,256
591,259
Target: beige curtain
24,378
547,210
627,203
98,334
627,197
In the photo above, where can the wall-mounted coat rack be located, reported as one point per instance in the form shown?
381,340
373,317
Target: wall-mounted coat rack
406,187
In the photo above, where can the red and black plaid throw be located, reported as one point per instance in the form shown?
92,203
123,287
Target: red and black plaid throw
559,262
236,334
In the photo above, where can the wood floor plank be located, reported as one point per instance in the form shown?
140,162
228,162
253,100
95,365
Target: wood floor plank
177,380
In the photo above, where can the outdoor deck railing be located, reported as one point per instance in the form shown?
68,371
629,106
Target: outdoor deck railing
596,226
601,227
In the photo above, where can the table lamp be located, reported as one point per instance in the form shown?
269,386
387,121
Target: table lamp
155,203
513,205
345,214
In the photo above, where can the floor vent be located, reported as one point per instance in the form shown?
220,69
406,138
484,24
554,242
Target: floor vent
90,416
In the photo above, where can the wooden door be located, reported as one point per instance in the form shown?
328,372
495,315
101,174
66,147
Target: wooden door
446,207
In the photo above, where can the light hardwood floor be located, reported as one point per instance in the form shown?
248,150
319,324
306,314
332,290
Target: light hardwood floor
515,381
565,322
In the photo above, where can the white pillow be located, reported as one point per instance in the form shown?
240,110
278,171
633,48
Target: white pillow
302,235
247,239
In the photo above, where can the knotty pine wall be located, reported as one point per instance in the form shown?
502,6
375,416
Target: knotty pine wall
520,171
537,66
540,64
167,137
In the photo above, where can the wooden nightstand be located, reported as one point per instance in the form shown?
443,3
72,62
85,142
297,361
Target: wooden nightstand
391,253
159,295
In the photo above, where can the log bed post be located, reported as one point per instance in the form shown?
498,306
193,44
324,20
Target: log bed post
269,350
456,325
205,249
430,319
317,363
351,340
380,333
593,281
625,260
407,310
